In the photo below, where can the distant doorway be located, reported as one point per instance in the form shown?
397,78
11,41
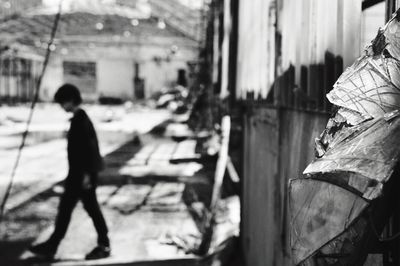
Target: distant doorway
82,75
138,83
182,80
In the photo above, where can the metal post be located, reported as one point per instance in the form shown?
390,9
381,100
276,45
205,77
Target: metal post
391,7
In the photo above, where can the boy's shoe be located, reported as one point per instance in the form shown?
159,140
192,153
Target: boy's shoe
99,252
45,249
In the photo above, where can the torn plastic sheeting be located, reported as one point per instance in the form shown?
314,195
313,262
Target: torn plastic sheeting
337,131
371,86
354,182
372,152
320,211
357,156
341,246
352,117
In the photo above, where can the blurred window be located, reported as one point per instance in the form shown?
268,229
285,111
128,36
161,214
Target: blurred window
81,74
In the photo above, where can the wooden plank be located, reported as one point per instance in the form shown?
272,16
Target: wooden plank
162,169
186,150
141,157
163,152
129,198
216,192
144,153
232,171
166,196
222,161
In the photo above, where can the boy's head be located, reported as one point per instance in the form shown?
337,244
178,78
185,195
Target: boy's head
68,96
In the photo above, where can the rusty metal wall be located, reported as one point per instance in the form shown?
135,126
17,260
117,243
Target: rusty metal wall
278,144
260,228
298,34
256,51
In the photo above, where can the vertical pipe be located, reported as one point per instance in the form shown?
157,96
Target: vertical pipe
2,94
18,75
233,50
8,73
390,8
227,27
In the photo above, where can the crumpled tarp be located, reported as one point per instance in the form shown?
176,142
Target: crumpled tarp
326,207
371,86
361,157
356,153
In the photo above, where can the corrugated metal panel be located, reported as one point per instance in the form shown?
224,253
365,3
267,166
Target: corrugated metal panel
253,53
216,49
310,30
227,24
316,33
278,146
261,229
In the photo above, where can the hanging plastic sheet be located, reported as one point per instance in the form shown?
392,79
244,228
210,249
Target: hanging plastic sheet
342,201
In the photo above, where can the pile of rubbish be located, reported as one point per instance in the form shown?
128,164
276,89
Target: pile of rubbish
175,99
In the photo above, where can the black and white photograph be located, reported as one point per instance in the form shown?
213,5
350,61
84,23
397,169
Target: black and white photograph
200,132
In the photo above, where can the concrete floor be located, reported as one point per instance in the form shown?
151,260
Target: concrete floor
43,161
150,204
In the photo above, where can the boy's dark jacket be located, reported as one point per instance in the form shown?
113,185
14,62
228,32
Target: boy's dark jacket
83,149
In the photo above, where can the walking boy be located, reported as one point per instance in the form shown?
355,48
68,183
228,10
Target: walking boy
85,162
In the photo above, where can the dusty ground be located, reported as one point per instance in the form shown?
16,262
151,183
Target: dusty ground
43,160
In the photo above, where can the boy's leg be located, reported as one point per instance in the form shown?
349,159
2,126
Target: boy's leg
92,207
66,206
102,250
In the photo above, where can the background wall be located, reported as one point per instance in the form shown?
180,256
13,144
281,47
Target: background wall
115,78
115,67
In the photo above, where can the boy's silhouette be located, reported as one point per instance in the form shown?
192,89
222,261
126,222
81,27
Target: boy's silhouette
85,162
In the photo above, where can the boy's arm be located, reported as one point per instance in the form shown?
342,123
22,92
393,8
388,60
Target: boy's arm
81,151
91,148
86,182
